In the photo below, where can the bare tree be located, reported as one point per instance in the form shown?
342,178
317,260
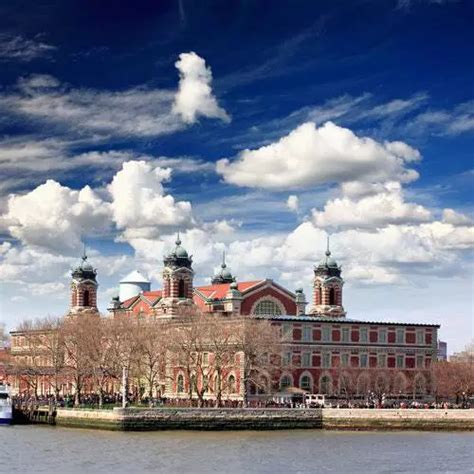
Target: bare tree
77,331
28,364
153,341
259,344
52,342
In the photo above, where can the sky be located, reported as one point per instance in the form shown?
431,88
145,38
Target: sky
257,128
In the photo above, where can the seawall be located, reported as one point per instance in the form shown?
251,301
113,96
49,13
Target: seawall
133,419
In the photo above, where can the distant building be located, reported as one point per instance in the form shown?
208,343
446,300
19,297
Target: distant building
442,350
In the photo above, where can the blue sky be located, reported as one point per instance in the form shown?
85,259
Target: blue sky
253,127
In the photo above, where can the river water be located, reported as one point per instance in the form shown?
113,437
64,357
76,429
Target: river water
34,449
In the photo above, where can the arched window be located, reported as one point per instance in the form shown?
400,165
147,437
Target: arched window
180,384
181,289
332,297
325,383
86,298
267,308
285,382
306,383
231,384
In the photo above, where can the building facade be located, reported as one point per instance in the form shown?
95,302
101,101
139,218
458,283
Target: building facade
322,350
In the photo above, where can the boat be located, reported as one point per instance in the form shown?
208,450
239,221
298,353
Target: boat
6,409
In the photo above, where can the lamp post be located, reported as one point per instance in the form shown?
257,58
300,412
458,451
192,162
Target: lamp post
124,386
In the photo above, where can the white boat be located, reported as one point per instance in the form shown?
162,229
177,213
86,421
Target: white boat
6,409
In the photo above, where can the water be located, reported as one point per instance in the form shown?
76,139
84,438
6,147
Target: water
29,449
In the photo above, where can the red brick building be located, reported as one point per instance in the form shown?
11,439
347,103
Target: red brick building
323,351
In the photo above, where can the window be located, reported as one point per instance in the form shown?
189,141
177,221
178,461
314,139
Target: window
307,333
382,360
325,384
86,301
400,336
345,334
285,382
383,336
363,337
180,384
332,297
287,358
231,384
306,359
326,333
344,360
419,361
181,289
400,361
326,359
287,331
305,382
267,308
364,360
420,337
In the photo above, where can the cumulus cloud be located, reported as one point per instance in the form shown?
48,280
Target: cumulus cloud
194,97
292,203
450,216
55,217
310,156
19,48
385,207
139,204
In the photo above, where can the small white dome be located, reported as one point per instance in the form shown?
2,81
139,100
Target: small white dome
135,277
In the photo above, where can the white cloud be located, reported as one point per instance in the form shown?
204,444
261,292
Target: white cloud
292,203
19,48
450,216
310,156
194,97
139,205
55,217
385,207
96,115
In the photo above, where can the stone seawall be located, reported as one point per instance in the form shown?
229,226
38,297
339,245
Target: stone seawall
398,419
133,419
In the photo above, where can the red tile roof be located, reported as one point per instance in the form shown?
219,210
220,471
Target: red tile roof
152,296
219,291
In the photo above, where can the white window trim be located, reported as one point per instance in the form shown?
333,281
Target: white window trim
307,374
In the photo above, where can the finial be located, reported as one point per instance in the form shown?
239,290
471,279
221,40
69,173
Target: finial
178,240
223,265
328,252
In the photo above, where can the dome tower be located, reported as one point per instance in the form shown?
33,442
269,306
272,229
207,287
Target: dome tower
327,288
84,287
177,279
224,275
